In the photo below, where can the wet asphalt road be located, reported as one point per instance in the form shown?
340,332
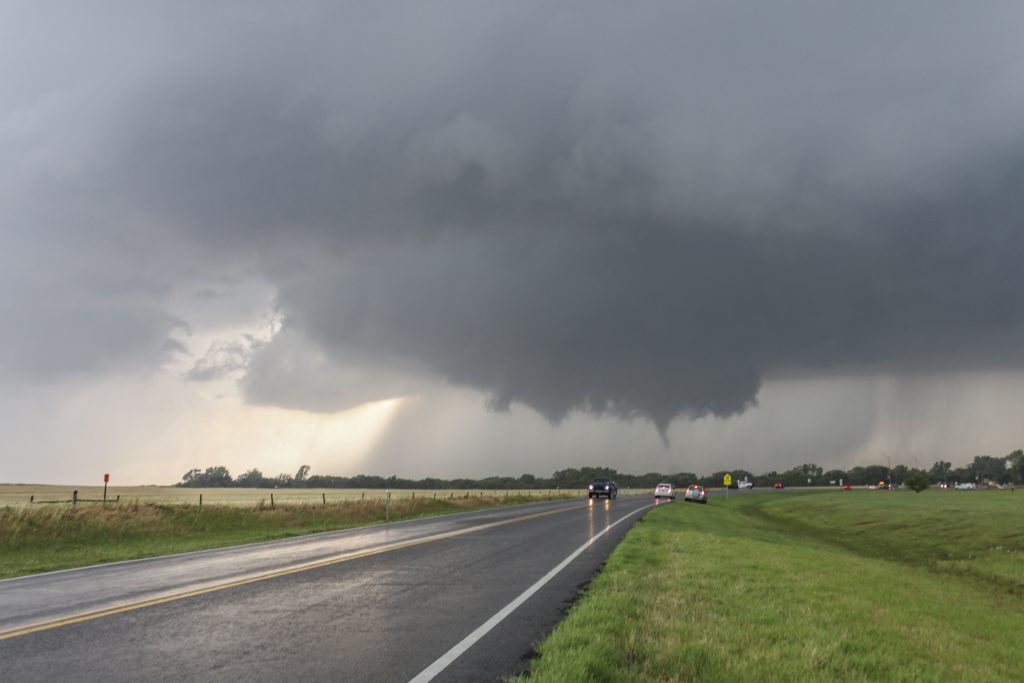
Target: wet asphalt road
378,604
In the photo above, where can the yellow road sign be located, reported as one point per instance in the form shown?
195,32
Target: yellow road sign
727,479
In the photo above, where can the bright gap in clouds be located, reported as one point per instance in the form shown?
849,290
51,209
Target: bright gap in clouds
345,438
275,440
153,430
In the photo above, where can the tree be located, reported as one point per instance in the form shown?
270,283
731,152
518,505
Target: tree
961,474
990,468
1015,461
917,482
251,478
835,476
573,478
216,476
812,472
213,476
872,474
940,471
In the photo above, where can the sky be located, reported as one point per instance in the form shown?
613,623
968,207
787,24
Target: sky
471,238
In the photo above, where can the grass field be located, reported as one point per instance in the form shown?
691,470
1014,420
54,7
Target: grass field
17,495
828,586
44,537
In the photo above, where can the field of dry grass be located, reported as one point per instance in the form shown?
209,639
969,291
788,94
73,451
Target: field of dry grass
45,537
17,495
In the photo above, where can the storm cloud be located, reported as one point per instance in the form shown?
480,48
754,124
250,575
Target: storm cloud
640,211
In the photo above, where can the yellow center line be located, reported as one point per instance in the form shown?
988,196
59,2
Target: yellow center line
67,620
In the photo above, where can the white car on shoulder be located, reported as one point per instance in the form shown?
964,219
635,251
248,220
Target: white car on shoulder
696,493
664,490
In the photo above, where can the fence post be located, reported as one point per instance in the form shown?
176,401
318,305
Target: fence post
387,505
74,497
414,495
32,499
271,501
118,499
200,500
325,498
363,496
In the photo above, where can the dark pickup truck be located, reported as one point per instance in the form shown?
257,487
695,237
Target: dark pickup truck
602,487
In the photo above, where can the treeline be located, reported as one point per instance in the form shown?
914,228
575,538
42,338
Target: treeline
564,479
984,468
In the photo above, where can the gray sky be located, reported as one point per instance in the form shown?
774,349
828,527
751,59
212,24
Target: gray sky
464,238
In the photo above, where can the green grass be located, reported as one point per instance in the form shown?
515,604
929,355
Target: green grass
48,537
830,586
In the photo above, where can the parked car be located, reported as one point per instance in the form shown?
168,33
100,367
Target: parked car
602,487
847,487
966,486
664,490
696,493
778,485
745,484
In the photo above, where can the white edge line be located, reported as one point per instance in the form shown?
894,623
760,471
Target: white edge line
445,660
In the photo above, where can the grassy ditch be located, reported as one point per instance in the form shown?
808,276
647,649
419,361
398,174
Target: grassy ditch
852,586
45,538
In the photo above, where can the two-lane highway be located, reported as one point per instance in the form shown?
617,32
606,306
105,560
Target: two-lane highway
460,597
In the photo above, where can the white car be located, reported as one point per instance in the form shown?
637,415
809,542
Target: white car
966,486
745,484
664,490
696,493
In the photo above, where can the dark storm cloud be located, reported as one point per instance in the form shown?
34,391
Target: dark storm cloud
639,211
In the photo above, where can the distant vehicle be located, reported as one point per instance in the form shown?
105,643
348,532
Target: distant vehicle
696,493
880,486
847,487
603,487
779,485
745,484
966,486
664,490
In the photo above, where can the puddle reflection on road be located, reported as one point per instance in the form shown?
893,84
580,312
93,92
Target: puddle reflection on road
592,512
